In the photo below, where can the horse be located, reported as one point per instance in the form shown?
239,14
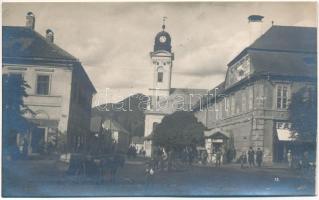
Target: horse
110,164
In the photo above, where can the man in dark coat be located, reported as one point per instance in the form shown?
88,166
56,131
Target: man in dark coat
251,157
259,157
218,158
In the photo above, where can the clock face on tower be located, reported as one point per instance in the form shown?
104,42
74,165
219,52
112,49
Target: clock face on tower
162,39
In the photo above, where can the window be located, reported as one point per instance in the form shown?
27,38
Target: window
227,106
155,124
233,105
220,109
250,98
43,84
244,102
237,105
159,77
282,96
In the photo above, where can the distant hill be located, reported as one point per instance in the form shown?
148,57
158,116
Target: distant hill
129,113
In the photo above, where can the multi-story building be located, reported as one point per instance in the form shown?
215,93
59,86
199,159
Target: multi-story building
251,104
60,93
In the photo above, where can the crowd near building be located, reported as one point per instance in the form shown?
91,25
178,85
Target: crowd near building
250,107
251,104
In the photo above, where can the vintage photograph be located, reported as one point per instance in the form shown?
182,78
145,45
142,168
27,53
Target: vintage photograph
165,99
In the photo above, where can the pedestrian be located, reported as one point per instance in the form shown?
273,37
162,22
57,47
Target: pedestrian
259,156
205,155
251,157
141,151
144,153
243,159
25,148
289,158
149,174
218,158
305,160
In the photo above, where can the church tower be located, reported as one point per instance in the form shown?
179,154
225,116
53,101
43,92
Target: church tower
162,63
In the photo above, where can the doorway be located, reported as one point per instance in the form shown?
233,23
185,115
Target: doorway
37,141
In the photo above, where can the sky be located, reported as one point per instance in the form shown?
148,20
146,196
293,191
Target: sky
113,40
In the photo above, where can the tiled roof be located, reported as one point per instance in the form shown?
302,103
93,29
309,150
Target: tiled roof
27,43
113,125
187,91
219,89
284,39
23,45
282,50
188,96
288,38
137,140
97,122
284,63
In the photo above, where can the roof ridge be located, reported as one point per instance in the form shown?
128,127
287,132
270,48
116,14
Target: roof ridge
294,26
20,33
53,45
15,27
188,88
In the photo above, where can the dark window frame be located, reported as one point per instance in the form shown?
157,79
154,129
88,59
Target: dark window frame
160,77
43,86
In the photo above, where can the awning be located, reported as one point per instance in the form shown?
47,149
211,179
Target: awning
285,135
216,135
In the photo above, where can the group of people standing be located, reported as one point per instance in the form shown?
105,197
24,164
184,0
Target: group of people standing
254,157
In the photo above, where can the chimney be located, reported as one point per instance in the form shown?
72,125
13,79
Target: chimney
255,23
49,35
30,20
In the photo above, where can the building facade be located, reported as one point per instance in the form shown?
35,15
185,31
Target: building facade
60,93
165,99
101,126
251,105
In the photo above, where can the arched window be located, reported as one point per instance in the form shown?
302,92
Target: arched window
159,77
160,74
154,125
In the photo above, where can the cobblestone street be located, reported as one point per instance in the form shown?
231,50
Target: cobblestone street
42,178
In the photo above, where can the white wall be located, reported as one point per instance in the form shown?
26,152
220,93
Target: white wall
54,106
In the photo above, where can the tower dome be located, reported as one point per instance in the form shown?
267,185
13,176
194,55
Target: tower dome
162,41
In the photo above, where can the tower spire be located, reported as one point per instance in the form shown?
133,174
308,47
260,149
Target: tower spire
163,26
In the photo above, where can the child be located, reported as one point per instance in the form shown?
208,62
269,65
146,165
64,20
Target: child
243,159
149,173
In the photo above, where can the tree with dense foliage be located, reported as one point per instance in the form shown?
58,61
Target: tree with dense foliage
13,108
303,113
178,131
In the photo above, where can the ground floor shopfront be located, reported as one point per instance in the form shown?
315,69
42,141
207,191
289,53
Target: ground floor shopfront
272,136
40,138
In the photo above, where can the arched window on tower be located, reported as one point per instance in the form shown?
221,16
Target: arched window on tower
155,124
160,74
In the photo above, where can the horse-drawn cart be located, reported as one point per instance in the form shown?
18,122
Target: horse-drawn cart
88,165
